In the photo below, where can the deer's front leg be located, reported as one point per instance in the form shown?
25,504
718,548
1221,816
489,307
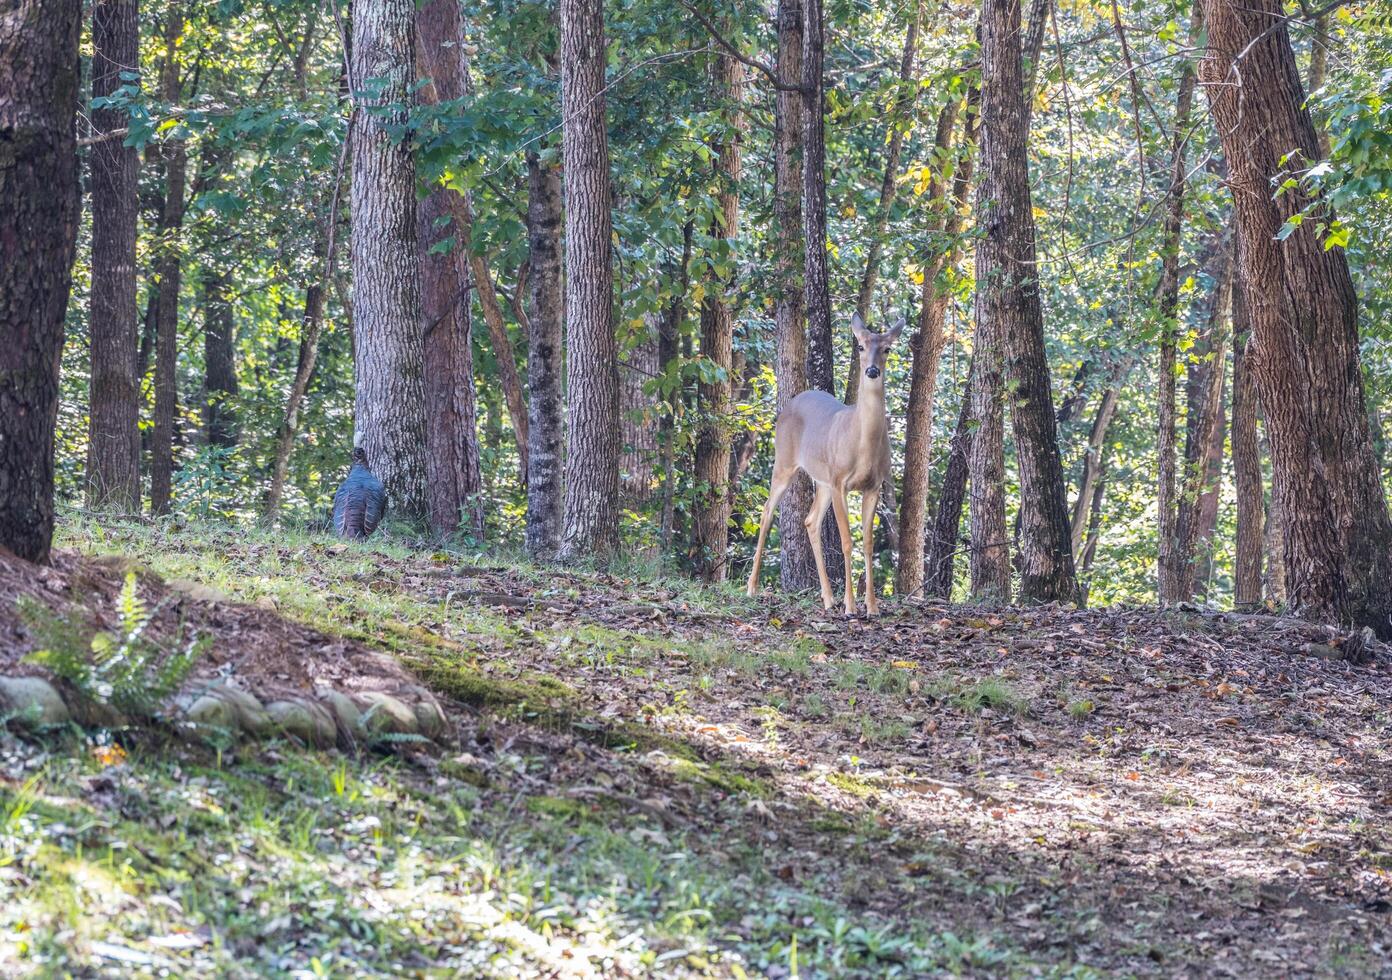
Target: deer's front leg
820,501
843,524
868,501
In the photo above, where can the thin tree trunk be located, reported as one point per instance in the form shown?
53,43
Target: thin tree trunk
219,361
1304,316
1009,311
1095,521
797,570
668,329
945,535
545,353
1093,464
1209,501
390,395
1273,541
113,442
711,512
1247,471
925,350
168,273
1168,301
39,204
503,354
1204,396
592,457
453,478
637,418
889,190
311,325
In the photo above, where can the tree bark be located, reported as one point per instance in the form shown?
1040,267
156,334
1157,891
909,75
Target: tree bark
668,329
503,354
711,512
945,535
389,353
1009,311
453,478
545,368
1304,316
889,190
168,273
925,350
219,361
38,232
592,457
1247,470
797,571
1167,573
113,439
637,417
1093,465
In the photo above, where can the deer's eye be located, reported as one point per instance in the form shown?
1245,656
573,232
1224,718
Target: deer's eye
858,346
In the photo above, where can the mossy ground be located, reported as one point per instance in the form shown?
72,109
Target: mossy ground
645,778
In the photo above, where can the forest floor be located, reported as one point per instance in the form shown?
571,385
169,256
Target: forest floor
647,778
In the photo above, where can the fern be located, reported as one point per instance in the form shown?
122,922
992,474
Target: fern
125,669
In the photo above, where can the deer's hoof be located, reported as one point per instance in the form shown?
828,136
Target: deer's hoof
872,611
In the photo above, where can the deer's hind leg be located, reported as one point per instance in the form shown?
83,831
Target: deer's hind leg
843,524
821,500
777,487
868,501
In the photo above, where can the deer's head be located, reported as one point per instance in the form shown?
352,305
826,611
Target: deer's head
874,347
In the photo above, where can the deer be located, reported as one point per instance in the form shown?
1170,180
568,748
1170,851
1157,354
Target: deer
842,448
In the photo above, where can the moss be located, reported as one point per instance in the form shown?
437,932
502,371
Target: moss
559,807
718,777
465,683
851,784
464,773
831,824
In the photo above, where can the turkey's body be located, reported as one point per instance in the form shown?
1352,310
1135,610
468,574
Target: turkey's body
360,502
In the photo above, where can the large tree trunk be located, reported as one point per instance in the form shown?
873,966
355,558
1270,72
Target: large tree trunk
592,451
711,513
889,191
168,274
1304,316
453,479
821,361
113,446
38,231
925,350
797,571
545,353
945,535
1247,471
1009,310
389,353
219,361
1168,302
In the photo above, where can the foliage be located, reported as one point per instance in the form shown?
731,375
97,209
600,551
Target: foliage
124,667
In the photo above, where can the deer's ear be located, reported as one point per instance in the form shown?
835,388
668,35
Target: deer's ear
858,328
894,331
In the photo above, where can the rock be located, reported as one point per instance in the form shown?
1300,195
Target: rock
430,718
196,590
214,715
345,712
229,709
385,714
266,603
91,713
309,721
32,702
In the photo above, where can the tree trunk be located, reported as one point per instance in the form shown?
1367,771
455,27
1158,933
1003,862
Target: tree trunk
945,536
219,361
453,479
1093,464
168,273
1209,500
637,418
711,512
1304,317
389,354
113,446
1095,520
889,190
1274,578
1247,471
925,350
592,457
503,354
1009,311
545,368
797,571
1167,573
38,232
668,329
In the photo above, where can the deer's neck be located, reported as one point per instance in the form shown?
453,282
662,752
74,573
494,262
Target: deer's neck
870,413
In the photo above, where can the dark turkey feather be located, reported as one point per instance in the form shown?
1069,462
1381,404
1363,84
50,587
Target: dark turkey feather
360,502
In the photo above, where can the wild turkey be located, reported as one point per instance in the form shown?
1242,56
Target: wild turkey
360,501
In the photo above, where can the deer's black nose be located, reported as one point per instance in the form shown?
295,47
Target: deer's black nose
872,372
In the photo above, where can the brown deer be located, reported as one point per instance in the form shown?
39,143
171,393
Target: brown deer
842,448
